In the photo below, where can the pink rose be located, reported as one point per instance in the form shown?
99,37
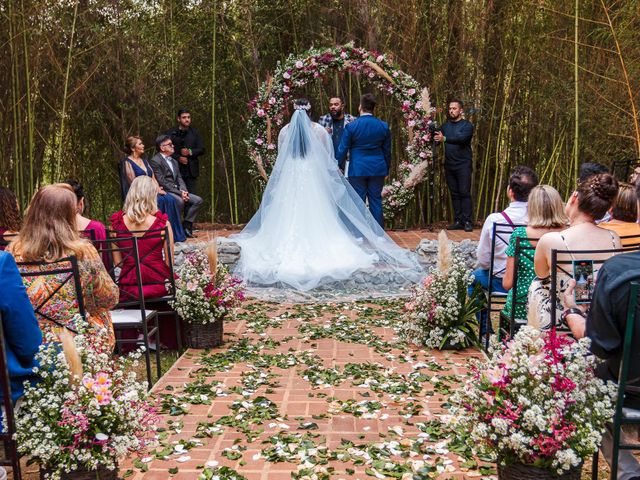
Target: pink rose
286,89
343,55
411,91
271,146
286,75
272,101
423,155
259,141
261,112
299,64
380,58
411,123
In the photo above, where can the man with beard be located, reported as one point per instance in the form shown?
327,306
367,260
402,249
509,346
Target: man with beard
456,135
188,147
335,121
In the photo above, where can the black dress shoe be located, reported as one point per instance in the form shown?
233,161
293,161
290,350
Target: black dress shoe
455,226
468,227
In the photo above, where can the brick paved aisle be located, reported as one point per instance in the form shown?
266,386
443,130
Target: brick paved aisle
308,390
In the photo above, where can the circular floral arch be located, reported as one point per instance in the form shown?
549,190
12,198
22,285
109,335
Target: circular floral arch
270,107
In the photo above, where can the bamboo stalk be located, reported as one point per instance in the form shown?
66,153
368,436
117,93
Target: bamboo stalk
233,170
213,111
626,79
30,112
63,111
576,85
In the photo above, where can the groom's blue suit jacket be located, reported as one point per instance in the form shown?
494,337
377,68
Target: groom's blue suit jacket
368,139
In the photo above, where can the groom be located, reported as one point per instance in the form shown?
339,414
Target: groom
368,139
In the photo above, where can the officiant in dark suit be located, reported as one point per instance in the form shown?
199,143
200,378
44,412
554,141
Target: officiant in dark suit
168,176
368,141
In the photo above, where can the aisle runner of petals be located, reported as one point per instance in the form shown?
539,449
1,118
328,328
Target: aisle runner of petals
311,392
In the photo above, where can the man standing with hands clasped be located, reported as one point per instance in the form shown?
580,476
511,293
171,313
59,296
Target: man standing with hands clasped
335,121
456,134
188,147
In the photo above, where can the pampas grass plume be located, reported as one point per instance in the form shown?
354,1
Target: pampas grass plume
71,354
444,252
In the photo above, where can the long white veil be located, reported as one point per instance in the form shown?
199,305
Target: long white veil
313,238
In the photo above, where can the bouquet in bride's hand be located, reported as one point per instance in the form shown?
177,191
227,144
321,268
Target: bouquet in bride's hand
441,313
204,294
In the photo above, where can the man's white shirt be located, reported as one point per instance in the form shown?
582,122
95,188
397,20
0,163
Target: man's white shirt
518,213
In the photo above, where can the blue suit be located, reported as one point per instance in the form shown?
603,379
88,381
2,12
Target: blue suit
368,139
22,335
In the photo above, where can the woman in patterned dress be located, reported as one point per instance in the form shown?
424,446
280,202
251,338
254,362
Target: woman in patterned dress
588,203
546,214
50,232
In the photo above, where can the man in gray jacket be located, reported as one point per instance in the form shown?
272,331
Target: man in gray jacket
168,175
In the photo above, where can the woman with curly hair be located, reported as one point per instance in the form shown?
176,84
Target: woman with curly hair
10,220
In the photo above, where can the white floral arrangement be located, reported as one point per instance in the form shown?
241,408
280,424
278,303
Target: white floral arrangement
441,313
269,108
87,410
536,401
202,297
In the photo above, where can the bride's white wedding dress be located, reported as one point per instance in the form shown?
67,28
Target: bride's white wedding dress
313,238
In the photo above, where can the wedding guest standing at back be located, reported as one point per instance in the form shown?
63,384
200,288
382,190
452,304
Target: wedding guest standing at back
335,121
187,148
456,134
10,219
169,177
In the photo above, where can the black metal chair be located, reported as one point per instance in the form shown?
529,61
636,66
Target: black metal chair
630,242
495,300
158,239
623,416
562,262
64,270
622,168
510,325
6,239
11,457
131,312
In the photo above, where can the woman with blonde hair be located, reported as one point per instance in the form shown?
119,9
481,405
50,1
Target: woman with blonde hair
546,214
50,232
141,218
624,215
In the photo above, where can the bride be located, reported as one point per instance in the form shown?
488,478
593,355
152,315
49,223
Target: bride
313,238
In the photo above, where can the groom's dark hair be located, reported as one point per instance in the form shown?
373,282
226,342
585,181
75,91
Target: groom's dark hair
368,102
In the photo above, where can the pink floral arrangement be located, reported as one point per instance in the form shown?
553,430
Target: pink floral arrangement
269,109
202,297
88,410
536,401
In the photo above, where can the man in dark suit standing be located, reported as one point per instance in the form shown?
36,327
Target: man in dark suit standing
368,140
188,147
168,176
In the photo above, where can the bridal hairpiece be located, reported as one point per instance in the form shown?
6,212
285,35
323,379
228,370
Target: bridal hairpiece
306,106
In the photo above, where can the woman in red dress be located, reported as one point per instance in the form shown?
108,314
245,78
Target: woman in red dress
141,218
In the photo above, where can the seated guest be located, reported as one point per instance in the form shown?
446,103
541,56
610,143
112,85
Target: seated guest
94,229
546,214
22,336
521,181
135,165
168,174
10,219
589,169
140,217
624,215
605,324
590,201
49,232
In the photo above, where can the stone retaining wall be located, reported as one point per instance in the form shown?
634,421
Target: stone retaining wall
427,250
